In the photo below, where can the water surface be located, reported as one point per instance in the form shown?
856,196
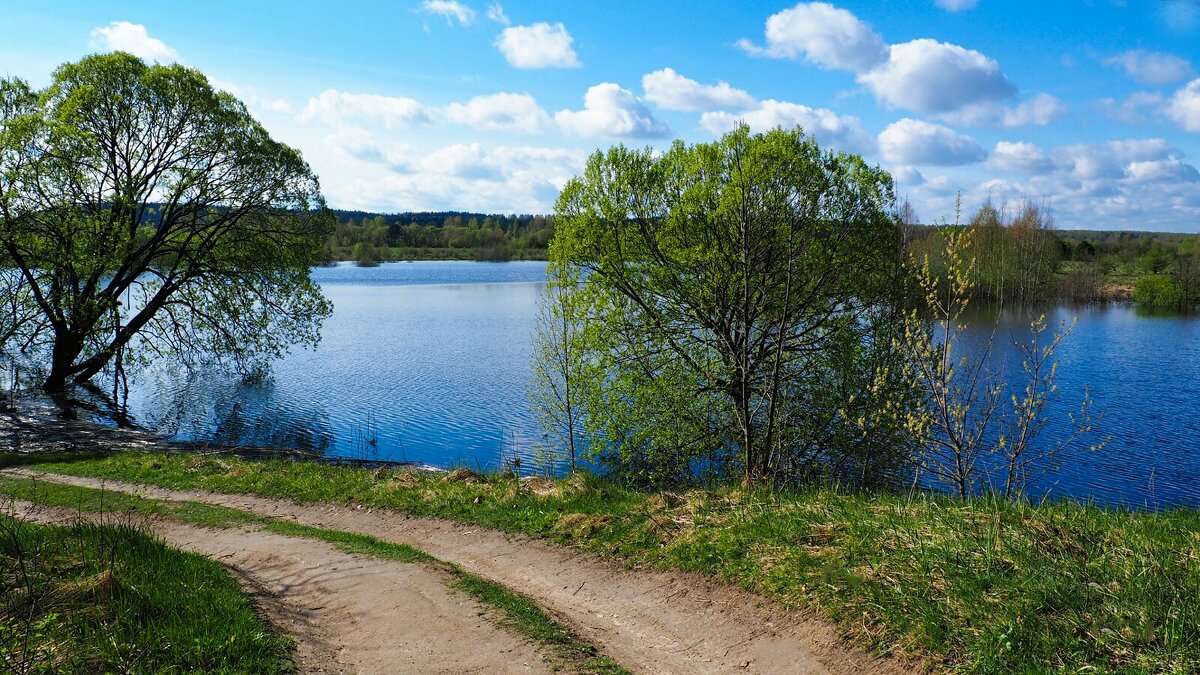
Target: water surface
430,362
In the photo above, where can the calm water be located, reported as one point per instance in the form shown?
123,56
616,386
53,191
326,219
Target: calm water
424,362
430,362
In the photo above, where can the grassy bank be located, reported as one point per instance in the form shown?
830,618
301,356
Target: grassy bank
978,587
110,598
512,610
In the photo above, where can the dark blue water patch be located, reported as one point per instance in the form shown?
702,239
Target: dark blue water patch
1142,373
431,362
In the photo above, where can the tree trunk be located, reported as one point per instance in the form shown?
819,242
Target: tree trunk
67,347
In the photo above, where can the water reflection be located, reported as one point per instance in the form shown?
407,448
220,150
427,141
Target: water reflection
430,363
1143,375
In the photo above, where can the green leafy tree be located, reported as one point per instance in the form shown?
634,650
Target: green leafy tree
736,282
148,213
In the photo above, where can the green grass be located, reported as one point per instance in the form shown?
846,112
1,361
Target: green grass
980,586
513,610
111,598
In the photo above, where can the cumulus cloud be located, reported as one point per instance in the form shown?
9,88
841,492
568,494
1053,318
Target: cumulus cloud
361,145
910,141
518,113
937,77
338,107
824,34
1152,68
1142,184
122,36
830,129
1172,170
956,5
1184,107
469,177
495,12
1037,111
541,45
1020,157
1136,108
451,10
609,110
671,91
923,75
254,99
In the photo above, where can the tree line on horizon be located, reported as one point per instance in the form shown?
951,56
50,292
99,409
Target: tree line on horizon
1021,256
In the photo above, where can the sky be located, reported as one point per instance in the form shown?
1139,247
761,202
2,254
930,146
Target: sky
1089,106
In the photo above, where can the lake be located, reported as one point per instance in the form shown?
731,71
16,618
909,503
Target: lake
429,362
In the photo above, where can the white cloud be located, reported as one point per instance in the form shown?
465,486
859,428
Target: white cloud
362,146
907,176
1184,107
1020,157
1141,184
1171,170
830,129
1136,108
923,75
936,77
1151,68
910,141
1037,111
468,177
517,113
671,91
255,100
462,161
451,10
609,110
338,107
824,34
541,45
495,12
122,36
956,5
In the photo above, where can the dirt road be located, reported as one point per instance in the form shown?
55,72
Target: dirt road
649,622
349,614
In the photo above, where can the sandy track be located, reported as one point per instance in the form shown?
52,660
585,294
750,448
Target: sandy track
649,622
349,614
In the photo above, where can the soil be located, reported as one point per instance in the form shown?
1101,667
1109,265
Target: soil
648,621
348,614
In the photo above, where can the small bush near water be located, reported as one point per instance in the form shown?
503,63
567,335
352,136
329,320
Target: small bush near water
1159,290
977,586
110,598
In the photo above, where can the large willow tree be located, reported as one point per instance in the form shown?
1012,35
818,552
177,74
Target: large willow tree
144,213
736,308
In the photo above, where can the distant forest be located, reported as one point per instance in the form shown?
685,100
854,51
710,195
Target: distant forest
1020,255
371,238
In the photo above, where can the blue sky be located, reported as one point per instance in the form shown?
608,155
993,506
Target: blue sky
1092,106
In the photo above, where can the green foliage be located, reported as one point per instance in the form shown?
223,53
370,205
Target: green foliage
438,236
150,215
111,598
514,610
984,586
1158,290
735,300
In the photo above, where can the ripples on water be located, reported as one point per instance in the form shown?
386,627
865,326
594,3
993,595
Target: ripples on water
430,362
424,362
